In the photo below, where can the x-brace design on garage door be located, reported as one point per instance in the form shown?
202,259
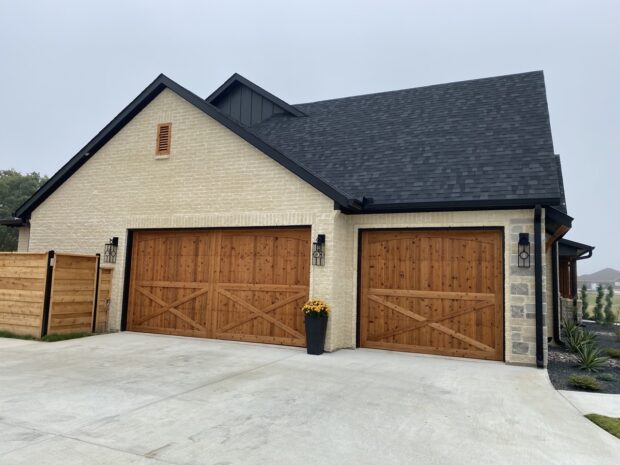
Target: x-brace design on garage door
226,292
171,307
432,291
434,323
238,284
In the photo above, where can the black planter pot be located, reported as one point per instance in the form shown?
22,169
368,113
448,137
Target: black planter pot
316,327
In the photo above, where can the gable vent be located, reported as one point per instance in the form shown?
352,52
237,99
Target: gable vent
163,139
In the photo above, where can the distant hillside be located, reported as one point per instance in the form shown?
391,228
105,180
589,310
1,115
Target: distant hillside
606,275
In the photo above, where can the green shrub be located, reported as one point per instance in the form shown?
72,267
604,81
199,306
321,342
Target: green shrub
613,353
584,302
577,338
605,377
599,316
585,382
569,327
610,316
591,358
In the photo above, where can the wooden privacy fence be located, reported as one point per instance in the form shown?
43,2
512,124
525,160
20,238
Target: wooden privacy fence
48,293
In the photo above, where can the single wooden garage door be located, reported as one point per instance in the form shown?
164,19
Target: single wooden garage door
433,291
242,284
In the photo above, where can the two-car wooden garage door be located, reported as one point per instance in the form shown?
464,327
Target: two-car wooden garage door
433,291
244,284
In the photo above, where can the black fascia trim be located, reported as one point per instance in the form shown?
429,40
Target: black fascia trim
237,78
13,222
450,205
153,90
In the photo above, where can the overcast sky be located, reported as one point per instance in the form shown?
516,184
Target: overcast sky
68,67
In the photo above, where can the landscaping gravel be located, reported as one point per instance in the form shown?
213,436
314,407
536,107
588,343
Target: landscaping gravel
562,364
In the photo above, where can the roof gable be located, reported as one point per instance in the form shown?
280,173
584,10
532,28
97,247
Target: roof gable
140,102
247,103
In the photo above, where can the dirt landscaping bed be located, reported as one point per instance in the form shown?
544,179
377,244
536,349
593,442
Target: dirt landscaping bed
563,364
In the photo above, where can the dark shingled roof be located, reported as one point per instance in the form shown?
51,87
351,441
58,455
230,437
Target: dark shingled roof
475,144
480,140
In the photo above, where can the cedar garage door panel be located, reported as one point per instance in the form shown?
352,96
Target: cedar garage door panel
435,291
244,284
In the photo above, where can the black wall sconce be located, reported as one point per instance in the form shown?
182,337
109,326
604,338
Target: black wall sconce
524,250
109,250
318,250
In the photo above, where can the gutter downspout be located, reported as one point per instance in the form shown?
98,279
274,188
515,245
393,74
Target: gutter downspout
540,358
556,294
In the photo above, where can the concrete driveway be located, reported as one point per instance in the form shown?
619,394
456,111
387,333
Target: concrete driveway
145,399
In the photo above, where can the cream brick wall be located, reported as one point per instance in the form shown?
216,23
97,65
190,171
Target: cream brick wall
213,178
23,242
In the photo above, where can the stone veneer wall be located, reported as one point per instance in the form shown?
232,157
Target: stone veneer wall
571,310
523,294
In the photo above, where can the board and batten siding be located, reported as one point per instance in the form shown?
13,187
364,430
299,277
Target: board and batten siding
214,179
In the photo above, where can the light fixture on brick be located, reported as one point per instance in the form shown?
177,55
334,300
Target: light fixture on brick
523,253
318,250
109,250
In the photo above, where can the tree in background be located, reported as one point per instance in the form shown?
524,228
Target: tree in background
584,302
15,189
598,308
610,317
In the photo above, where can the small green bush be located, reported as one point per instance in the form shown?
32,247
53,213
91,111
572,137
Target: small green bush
584,302
569,326
599,316
585,382
605,377
591,358
610,316
613,353
63,337
577,338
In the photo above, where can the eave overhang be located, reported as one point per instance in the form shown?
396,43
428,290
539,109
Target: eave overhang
575,250
13,222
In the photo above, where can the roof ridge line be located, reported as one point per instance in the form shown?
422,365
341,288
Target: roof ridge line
419,87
